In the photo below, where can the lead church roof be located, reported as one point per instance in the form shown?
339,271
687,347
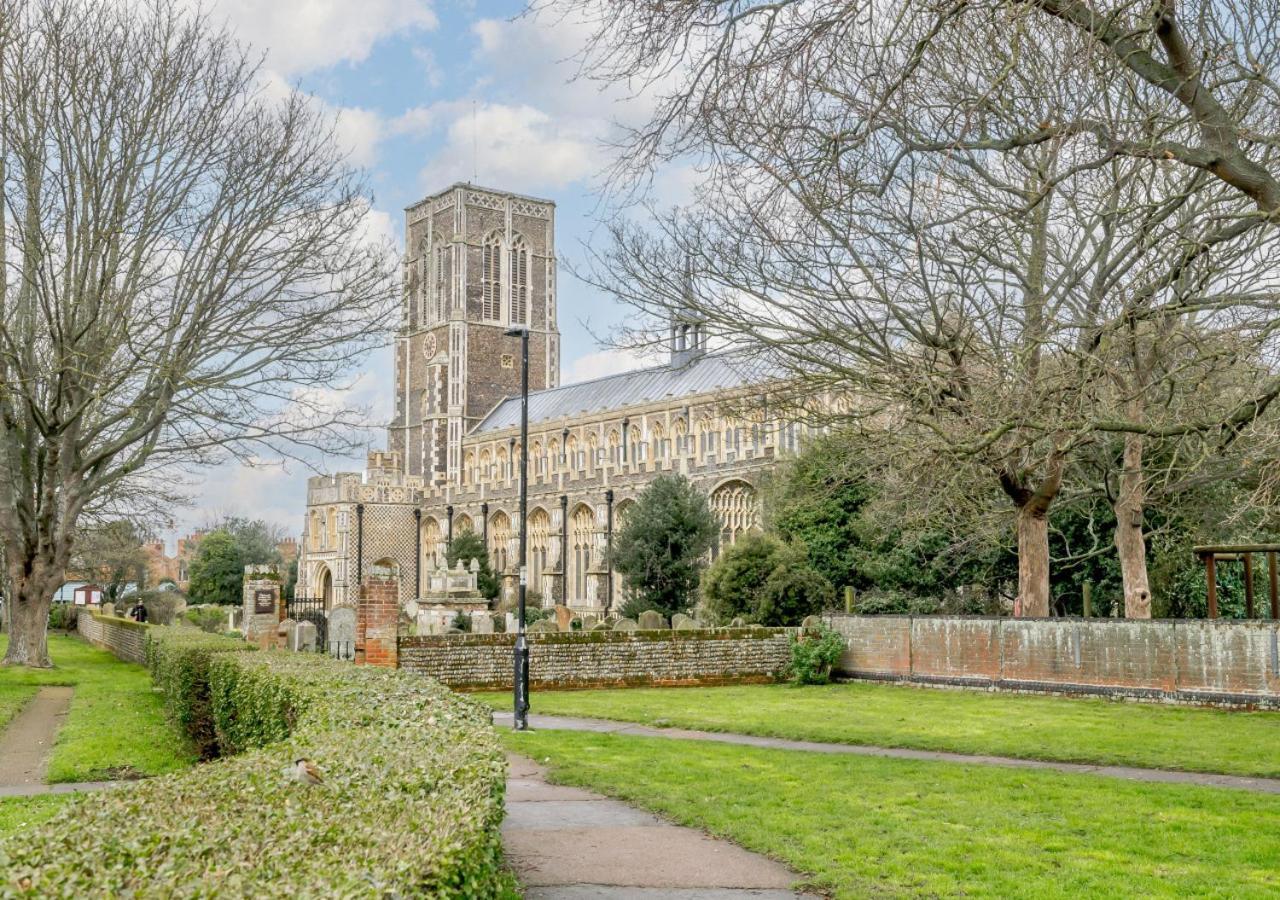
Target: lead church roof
701,375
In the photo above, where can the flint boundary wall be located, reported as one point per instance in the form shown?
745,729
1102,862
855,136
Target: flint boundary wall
603,658
125,638
1220,662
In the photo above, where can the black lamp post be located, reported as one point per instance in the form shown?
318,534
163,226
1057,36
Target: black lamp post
521,685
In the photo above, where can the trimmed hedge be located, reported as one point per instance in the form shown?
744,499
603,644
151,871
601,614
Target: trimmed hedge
410,806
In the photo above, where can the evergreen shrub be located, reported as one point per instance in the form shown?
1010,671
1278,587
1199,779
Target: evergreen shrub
410,805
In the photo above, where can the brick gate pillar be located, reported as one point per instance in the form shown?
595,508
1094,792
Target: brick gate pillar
378,623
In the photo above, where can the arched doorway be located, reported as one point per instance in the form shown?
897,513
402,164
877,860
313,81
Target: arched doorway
324,586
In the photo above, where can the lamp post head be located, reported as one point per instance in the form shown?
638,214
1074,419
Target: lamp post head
516,331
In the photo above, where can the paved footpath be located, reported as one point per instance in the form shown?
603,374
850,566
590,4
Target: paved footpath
569,843
1131,773
25,746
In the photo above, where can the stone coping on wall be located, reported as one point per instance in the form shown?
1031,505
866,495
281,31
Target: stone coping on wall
597,659
117,621
603,637
1220,662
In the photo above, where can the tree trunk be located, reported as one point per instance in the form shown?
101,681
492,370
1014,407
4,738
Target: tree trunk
1033,534
1131,544
29,617
1033,560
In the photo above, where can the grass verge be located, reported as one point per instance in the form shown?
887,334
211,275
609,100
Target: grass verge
1106,732
12,698
116,727
20,813
872,827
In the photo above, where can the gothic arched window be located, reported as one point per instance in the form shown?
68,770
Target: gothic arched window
734,504
491,278
439,292
519,281
499,541
583,535
539,543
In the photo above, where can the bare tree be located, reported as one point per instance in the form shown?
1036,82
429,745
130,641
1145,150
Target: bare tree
916,207
186,271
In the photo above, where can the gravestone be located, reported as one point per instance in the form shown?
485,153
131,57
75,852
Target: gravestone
602,626
625,625
108,609
342,632
303,637
284,631
481,623
563,617
681,622
736,623
651,620
543,626
810,623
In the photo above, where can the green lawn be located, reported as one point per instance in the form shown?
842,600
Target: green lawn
116,727
875,827
1056,728
12,698
20,813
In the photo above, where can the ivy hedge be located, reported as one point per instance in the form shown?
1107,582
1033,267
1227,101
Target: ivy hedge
411,802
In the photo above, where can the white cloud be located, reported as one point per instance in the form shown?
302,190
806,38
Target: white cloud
604,362
519,148
304,35
359,131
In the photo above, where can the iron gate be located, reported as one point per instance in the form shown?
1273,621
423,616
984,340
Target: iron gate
311,609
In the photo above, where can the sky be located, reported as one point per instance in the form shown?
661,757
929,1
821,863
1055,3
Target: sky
427,93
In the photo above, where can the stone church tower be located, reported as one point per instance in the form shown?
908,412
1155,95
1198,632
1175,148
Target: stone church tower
477,262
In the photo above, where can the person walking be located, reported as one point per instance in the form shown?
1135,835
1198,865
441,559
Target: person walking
139,612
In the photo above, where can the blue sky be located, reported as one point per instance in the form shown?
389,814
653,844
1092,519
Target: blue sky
426,93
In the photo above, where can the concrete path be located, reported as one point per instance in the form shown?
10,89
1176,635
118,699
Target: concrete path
569,843
25,744
1130,773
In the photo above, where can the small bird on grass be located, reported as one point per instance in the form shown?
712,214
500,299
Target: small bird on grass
305,770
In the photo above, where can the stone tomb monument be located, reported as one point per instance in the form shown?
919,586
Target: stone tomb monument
450,592
342,632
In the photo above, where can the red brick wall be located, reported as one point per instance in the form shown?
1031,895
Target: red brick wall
875,645
1196,661
125,638
378,623
955,647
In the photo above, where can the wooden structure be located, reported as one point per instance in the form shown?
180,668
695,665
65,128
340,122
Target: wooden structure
1212,555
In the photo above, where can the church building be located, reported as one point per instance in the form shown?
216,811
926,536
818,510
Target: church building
478,263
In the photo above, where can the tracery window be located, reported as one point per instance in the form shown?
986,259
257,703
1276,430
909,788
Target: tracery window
499,540
519,281
439,293
539,545
734,504
583,536
432,547
491,278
